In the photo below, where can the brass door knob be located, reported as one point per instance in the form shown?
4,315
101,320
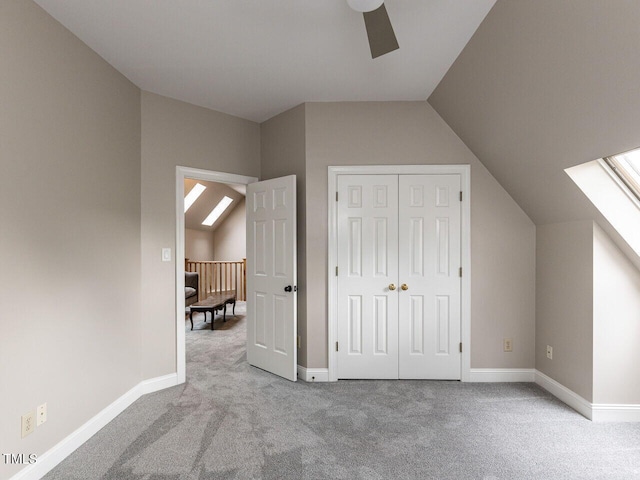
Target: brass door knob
392,286
404,286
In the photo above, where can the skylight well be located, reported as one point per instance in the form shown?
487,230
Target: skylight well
217,211
613,186
193,195
627,167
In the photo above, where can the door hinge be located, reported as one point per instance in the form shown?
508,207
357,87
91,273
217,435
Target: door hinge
336,270
336,346
336,196
460,195
460,272
298,341
460,347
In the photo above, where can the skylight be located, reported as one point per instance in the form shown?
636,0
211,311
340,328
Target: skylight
217,211
627,167
613,194
193,195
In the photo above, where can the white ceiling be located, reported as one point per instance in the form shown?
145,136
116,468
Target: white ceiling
257,58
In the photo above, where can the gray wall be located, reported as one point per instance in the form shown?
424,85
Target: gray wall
198,245
502,236
564,304
177,133
70,230
544,85
230,238
283,152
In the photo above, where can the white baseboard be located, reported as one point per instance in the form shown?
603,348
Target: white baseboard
313,374
52,457
495,375
158,383
602,412
569,397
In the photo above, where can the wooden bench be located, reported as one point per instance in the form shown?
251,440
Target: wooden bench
214,302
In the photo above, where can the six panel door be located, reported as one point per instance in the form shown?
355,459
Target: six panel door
429,261
368,263
398,283
271,276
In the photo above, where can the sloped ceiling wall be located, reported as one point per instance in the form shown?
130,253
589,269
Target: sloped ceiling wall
544,85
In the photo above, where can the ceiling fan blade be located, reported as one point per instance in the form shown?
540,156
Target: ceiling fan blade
382,39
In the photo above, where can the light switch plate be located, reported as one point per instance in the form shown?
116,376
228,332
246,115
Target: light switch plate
166,254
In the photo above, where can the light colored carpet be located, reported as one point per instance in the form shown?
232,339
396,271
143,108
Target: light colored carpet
233,421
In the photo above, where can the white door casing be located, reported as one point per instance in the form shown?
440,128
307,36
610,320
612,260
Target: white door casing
271,271
181,174
429,309
419,245
368,259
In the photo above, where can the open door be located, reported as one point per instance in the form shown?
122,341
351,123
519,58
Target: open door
271,276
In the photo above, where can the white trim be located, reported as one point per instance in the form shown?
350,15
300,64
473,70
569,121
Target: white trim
159,383
465,258
56,454
196,174
313,374
567,396
497,375
602,412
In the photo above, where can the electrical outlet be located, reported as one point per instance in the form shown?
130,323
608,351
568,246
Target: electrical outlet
41,414
507,345
28,424
549,352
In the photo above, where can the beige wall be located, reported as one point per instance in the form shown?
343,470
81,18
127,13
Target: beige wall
532,93
283,152
198,245
230,238
502,236
176,133
564,304
616,324
70,230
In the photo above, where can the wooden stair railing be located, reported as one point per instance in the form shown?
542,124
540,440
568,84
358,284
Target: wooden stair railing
218,276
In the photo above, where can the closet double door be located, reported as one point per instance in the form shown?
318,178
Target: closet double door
398,276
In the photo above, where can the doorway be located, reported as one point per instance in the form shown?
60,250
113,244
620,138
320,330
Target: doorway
399,272
183,173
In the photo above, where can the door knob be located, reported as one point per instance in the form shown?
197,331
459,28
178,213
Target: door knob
392,286
288,288
404,286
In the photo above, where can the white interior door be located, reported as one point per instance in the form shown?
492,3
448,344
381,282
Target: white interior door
429,262
271,276
399,290
368,272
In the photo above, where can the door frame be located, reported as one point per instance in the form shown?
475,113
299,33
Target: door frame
465,254
197,174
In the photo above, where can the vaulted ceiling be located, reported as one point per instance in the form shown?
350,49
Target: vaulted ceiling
544,85
257,58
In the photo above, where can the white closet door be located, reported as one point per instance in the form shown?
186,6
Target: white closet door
368,264
429,262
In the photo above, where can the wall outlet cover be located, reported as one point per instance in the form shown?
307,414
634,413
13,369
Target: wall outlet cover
28,423
508,345
41,415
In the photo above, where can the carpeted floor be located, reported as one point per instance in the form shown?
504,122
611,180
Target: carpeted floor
233,421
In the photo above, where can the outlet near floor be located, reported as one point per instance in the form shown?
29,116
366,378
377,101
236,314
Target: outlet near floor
507,345
549,352
28,423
